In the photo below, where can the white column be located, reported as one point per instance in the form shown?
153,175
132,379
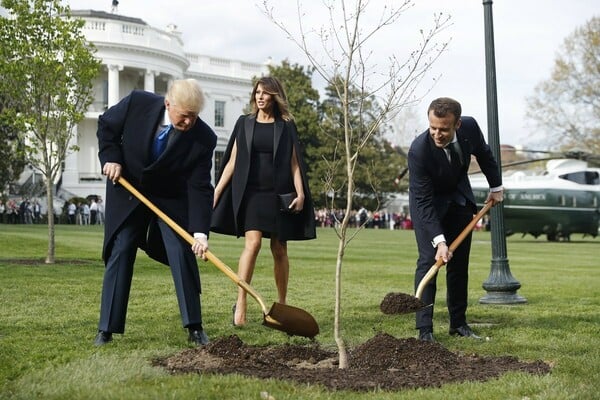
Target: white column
70,175
149,81
113,84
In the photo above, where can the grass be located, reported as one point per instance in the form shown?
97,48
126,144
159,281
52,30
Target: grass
49,313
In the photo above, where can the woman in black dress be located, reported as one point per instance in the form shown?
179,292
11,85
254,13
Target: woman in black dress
262,162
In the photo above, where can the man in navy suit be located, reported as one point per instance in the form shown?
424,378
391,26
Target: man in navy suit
163,149
442,205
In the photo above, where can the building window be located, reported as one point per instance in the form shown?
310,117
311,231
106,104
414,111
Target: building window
219,113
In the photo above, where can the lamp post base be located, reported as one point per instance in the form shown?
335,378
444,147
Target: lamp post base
502,298
501,286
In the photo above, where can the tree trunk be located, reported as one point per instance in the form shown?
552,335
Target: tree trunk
50,209
342,353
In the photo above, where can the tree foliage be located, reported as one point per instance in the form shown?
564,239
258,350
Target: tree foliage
566,106
47,71
303,100
12,155
378,162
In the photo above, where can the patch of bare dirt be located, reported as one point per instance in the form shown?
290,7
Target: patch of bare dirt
384,362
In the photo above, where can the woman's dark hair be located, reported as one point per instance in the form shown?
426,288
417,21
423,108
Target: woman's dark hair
273,87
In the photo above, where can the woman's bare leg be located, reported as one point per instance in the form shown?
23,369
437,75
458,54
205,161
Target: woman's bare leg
245,270
281,268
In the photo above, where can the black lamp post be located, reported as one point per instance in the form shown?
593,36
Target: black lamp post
501,286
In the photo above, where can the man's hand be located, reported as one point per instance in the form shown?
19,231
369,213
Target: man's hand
443,252
112,171
200,247
495,197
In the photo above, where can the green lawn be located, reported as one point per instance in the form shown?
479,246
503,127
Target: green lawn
49,313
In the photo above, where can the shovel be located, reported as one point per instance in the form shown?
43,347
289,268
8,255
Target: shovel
402,303
440,262
288,319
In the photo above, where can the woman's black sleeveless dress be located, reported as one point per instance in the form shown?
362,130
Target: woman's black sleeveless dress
259,206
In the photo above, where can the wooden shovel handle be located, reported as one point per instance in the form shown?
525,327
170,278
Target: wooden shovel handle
190,239
459,239
455,243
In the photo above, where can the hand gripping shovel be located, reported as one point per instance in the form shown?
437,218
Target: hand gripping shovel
288,319
402,303
440,262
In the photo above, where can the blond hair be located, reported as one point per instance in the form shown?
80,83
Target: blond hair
186,94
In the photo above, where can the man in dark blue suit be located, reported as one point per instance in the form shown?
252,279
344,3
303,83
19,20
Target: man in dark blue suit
442,205
163,149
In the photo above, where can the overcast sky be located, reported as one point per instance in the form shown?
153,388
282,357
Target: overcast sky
527,36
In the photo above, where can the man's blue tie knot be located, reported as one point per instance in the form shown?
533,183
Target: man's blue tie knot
160,142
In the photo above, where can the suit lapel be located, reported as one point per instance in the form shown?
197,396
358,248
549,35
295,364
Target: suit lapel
150,130
438,154
249,132
277,135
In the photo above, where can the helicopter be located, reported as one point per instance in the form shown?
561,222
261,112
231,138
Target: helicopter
562,200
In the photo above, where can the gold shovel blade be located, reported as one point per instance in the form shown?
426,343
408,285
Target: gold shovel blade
291,320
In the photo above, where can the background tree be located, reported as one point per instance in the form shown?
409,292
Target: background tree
341,57
303,100
378,161
47,71
12,155
566,106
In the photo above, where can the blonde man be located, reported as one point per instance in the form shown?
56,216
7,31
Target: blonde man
161,146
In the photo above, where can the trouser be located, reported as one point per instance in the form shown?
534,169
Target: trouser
457,269
119,272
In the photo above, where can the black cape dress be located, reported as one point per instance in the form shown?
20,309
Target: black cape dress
227,218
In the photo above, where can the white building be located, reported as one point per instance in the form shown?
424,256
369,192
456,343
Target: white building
135,55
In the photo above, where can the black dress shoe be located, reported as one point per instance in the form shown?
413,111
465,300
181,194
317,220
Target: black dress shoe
198,337
464,331
426,336
102,338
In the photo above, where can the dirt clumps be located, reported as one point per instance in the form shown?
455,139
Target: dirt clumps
400,303
383,362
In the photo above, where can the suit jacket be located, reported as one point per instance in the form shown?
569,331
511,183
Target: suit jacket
432,182
178,182
289,226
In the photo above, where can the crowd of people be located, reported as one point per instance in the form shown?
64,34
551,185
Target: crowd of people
84,213
20,211
28,211
379,219
91,212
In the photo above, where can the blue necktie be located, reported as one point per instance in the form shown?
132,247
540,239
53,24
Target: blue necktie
160,142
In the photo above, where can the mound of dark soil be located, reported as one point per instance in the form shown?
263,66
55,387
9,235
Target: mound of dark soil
400,303
383,362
